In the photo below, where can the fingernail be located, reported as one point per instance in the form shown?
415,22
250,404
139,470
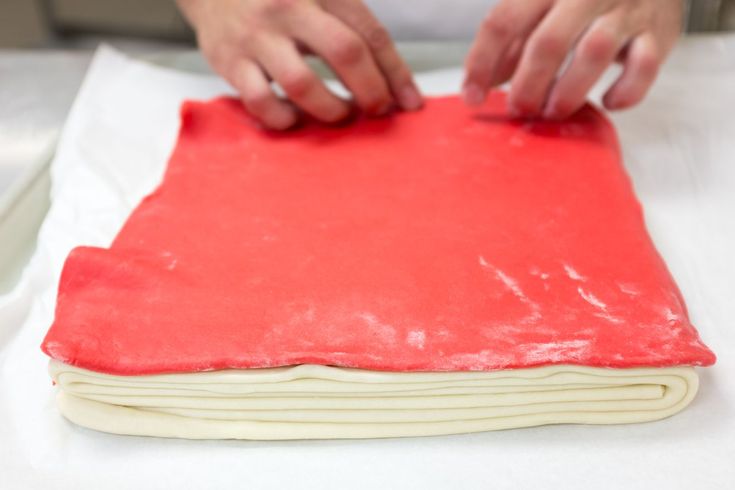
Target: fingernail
473,95
612,103
282,120
410,98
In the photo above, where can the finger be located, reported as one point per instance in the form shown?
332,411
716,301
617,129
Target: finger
258,97
594,53
282,61
509,63
378,40
544,54
639,71
508,21
348,55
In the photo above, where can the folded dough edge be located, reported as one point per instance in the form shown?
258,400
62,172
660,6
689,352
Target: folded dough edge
325,402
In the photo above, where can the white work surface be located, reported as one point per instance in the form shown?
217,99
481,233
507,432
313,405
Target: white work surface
679,147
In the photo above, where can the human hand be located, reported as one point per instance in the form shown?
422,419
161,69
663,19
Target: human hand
251,42
527,42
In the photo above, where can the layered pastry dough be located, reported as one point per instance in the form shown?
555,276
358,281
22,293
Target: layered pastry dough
323,402
402,276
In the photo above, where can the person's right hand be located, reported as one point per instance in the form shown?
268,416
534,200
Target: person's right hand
251,42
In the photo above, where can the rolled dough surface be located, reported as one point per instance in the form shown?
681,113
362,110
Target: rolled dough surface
441,240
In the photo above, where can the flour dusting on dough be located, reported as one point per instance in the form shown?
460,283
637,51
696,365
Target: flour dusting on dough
610,318
416,338
386,333
670,316
573,274
502,331
600,305
592,299
56,351
513,286
556,351
509,282
535,271
485,360
172,261
628,289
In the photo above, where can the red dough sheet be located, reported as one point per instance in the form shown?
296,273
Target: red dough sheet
448,239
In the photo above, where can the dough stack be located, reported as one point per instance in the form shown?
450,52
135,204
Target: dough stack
321,402
437,272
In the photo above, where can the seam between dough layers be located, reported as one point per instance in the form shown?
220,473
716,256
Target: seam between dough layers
325,402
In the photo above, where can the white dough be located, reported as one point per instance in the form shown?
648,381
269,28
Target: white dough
323,402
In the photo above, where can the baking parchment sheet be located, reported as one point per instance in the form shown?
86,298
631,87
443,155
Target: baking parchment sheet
679,147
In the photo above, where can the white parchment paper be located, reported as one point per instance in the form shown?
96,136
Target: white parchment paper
679,147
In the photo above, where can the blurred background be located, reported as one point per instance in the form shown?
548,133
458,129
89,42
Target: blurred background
77,23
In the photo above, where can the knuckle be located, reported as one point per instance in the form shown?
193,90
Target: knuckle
347,52
475,74
400,76
297,83
212,49
250,32
378,38
548,45
498,26
216,57
599,45
279,6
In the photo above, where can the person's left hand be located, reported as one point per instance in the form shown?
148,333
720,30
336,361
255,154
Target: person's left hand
527,41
